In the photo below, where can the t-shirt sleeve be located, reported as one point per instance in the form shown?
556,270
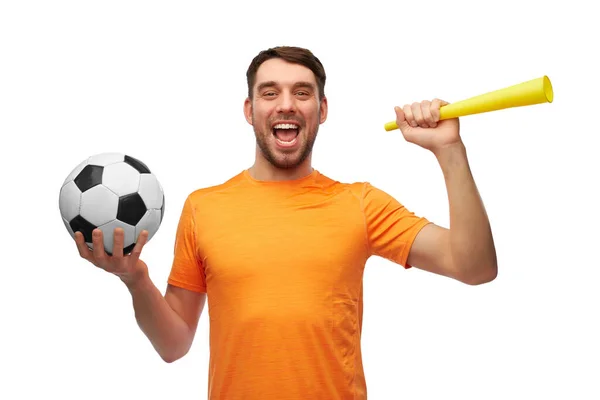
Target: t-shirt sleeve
391,227
187,270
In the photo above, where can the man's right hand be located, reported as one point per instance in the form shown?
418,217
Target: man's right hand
129,268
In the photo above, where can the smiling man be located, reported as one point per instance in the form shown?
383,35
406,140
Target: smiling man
285,108
279,250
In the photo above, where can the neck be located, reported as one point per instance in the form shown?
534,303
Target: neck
263,170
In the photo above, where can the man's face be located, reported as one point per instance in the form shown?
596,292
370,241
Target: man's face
285,112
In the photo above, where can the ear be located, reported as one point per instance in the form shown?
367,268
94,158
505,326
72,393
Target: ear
248,110
323,115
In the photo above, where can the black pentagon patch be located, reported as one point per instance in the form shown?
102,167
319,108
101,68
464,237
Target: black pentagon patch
89,177
137,164
129,248
82,225
126,250
131,209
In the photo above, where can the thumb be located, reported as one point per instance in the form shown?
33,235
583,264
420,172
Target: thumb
401,120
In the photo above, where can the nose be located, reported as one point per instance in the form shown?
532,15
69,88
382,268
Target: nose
286,103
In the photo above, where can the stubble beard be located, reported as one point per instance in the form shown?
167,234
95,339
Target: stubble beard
281,159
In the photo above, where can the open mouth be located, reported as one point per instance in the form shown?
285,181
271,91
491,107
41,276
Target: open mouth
286,134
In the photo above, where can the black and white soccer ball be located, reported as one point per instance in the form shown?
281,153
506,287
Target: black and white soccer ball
111,190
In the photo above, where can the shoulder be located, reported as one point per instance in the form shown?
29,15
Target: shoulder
208,192
328,183
361,190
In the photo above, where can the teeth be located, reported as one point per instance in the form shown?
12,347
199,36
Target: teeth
285,126
284,141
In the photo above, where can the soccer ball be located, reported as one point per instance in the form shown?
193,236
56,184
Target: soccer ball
111,190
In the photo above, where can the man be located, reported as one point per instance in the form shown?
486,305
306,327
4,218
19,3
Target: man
279,250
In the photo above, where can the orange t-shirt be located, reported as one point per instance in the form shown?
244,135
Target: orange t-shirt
282,265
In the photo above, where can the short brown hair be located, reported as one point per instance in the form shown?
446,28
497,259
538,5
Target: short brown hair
296,55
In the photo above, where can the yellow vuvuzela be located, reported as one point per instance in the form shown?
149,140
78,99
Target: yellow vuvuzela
535,91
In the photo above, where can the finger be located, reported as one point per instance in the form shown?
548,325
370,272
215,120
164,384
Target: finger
98,251
427,115
436,104
401,119
139,245
418,115
442,102
409,116
82,247
118,240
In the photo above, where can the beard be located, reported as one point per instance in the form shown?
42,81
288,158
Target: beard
286,159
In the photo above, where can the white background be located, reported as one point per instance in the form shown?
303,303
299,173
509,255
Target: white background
165,82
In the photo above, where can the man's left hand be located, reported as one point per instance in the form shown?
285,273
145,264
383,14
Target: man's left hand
420,124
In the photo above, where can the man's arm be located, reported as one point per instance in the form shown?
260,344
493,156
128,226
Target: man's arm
466,251
169,322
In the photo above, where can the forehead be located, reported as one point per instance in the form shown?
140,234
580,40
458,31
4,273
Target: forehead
283,72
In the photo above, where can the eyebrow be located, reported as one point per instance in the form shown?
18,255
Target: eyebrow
263,85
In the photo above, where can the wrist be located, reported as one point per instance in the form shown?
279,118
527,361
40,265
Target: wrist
139,282
451,157
450,150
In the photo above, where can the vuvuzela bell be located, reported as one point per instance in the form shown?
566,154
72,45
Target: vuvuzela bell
535,91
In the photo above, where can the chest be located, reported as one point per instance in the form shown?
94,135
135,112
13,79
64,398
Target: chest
321,246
